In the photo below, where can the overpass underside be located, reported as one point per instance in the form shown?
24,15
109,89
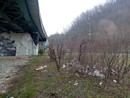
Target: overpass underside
21,28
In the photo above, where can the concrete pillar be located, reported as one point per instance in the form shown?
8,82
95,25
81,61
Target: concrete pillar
23,43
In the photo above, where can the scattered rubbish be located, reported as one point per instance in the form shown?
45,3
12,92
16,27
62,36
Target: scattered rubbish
50,74
76,83
39,68
90,73
113,72
45,71
77,75
45,66
100,83
63,66
114,81
86,69
98,74
94,66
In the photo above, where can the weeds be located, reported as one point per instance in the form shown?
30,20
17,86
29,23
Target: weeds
37,84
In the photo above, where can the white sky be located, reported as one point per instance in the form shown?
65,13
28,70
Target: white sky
58,14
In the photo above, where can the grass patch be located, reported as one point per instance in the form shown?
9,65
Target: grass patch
37,84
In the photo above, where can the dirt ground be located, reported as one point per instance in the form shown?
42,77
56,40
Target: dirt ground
9,66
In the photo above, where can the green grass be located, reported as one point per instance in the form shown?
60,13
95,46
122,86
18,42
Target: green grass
37,84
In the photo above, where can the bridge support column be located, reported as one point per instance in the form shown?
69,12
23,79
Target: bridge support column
23,43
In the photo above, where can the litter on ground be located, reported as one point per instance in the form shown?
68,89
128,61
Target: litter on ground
100,83
45,66
114,81
50,74
39,68
76,83
63,66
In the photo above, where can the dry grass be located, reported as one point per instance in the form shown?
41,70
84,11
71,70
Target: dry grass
54,84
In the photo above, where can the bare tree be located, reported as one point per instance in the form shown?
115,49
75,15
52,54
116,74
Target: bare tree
57,53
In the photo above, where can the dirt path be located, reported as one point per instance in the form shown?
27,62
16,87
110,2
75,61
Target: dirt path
8,68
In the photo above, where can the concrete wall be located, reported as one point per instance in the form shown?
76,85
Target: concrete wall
23,42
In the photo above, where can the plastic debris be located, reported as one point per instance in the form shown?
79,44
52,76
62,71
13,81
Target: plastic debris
94,66
77,75
98,74
90,73
50,74
76,83
39,68
44,66
114,81
100,83
45,71
63,66
11,97
113,72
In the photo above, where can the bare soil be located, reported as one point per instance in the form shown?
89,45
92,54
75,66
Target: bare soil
9,67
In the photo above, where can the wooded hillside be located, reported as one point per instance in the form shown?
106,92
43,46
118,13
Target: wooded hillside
111,19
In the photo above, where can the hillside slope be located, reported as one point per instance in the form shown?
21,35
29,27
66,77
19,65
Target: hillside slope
112,17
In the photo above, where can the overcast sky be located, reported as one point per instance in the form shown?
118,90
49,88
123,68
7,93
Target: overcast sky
59,14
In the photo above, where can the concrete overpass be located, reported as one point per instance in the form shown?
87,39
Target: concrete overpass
21,28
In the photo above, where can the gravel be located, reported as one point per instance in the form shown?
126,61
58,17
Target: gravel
8,68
